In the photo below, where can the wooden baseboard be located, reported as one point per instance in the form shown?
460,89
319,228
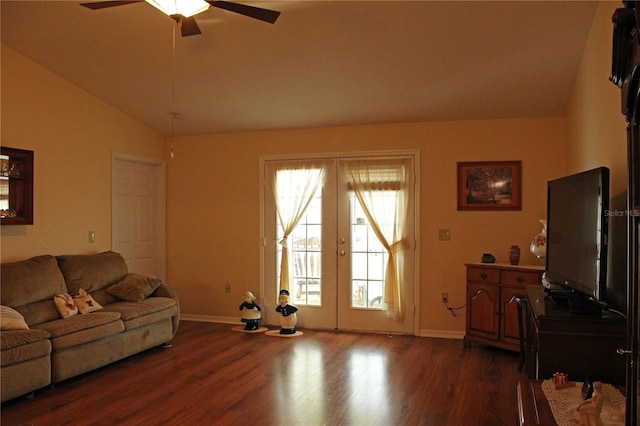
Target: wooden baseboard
441,334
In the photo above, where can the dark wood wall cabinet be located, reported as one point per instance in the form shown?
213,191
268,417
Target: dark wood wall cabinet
16,186
492,307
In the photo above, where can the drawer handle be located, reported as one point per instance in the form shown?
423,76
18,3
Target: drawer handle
519,279
484,275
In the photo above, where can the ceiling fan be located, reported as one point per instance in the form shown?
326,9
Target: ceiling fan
183,11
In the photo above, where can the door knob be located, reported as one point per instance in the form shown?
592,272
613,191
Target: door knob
621,351
342,252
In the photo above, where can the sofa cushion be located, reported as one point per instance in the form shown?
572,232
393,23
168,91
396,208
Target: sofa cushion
137,314
134,287
39,312
29,281
10,319
81,329
103,298
92,271
23,345
77,323
87,335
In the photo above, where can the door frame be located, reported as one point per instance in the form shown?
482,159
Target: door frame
416,211
160,204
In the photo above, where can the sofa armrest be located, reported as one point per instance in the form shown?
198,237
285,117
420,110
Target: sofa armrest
164,290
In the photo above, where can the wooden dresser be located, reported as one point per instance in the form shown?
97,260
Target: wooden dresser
492,311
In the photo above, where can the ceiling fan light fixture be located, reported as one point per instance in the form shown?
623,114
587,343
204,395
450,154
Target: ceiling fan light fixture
186,8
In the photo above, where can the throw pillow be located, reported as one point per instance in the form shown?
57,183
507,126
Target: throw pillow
134,287
85,302
65,305
10,319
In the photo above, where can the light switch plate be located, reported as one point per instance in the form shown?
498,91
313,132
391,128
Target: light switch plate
444,234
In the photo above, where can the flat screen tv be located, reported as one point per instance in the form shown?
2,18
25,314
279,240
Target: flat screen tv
577,227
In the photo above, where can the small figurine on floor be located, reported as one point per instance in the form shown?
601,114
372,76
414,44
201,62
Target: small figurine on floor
250,312
289,318
588,412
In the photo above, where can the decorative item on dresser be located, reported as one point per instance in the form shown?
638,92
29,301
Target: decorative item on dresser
492,306
488,258
514,255
538,246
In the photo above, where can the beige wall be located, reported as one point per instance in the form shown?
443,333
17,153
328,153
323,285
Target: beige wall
204,183
597,137
596,126
213,211
72,135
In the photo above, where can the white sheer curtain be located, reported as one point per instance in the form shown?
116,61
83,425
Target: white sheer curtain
382,189
294,186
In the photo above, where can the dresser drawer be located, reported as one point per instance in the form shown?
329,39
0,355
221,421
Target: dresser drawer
485,275
520,278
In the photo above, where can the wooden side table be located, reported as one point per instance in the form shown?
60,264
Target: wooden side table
533,407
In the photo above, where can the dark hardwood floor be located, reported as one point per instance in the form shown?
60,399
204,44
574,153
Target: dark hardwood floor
213,375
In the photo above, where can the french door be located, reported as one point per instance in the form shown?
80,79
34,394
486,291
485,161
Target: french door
336,261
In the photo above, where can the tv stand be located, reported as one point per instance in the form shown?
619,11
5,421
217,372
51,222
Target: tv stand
558,340
583,306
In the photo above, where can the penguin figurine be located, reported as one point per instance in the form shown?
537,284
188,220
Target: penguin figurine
250,312
288,312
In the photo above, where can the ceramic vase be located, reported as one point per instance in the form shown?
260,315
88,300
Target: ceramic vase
538,246
514,255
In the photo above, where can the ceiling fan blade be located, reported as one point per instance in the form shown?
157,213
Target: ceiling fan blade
104,4
189,27
265,15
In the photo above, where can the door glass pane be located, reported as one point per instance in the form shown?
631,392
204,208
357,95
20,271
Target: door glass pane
305,256
368,261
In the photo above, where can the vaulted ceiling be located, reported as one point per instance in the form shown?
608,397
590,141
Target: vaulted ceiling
323,63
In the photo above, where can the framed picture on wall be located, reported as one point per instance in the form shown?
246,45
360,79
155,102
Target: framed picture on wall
490,185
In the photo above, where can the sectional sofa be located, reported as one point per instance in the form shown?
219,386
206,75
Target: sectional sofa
67,315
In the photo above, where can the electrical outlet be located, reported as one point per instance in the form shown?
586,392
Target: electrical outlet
227,288
445,298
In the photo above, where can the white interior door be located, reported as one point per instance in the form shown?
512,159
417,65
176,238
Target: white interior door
337,265
138,218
